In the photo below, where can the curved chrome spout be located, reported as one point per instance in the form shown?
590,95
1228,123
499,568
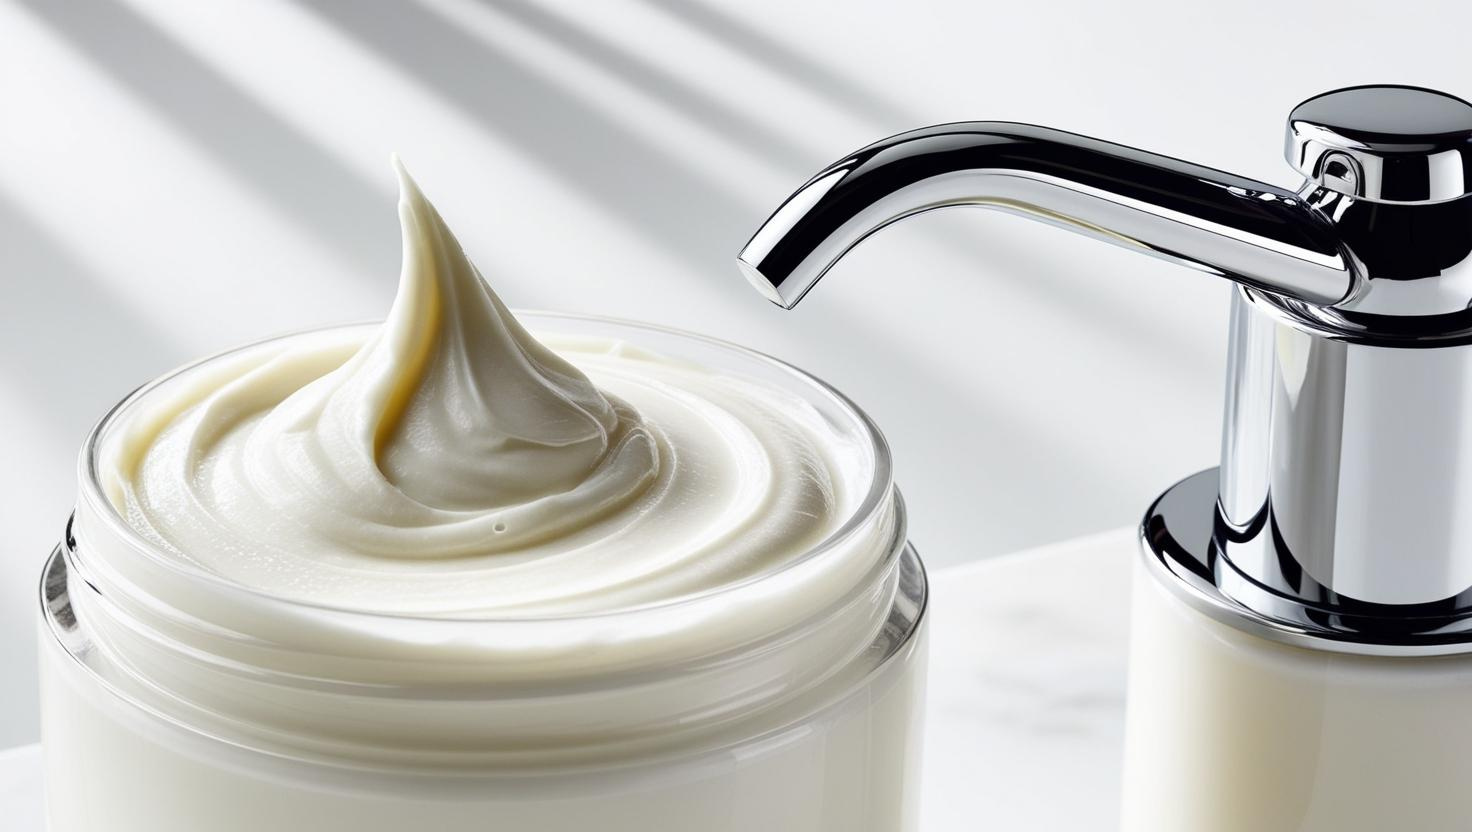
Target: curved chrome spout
1247,231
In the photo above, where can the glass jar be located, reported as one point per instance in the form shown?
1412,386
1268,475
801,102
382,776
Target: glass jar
174,700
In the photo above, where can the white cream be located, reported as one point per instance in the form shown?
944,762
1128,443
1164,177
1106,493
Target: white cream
453,465
439,573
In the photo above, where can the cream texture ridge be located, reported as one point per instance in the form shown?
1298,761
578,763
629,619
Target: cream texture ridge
452,464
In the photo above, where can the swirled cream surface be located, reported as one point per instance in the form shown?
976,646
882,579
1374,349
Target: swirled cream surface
449,463
444,572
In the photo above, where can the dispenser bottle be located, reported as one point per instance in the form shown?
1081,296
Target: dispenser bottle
1302,643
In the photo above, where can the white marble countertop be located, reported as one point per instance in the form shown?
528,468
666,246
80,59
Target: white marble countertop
1026,696
1026,690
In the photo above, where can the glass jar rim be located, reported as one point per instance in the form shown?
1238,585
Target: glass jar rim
880,489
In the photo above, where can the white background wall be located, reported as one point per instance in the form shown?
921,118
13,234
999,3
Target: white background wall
177,177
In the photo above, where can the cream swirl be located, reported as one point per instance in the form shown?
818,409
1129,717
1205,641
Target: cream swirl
448,463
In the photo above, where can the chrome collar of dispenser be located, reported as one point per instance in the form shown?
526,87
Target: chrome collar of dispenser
1181,539
1341,516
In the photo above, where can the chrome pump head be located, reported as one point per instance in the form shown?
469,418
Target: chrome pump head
1341,516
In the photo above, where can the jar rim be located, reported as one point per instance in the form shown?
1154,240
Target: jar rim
916,589
881,486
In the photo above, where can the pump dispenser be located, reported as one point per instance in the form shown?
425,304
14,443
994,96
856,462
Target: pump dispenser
1329,558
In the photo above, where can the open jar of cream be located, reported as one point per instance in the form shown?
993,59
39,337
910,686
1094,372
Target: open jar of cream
438,573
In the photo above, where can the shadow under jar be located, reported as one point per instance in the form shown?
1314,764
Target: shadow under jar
175,700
